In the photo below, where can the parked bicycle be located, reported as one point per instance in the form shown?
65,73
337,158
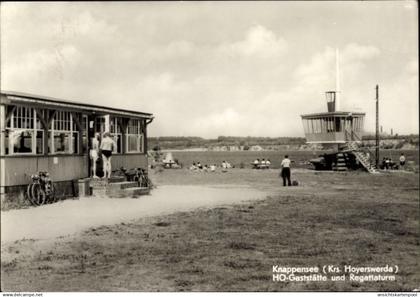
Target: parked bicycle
136,174
142,178
41,190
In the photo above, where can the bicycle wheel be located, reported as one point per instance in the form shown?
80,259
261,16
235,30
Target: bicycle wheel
29,194
142,181
53,196
50,194
146,182
38,194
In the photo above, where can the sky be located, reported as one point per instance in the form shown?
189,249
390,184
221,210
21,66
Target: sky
218,68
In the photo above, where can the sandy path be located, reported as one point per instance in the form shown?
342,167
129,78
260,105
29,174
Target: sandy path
72,216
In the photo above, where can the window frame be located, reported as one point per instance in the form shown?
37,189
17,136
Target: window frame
26,115
60,120
139,137
115,131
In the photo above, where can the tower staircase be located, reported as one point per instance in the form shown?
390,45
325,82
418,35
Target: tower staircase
362,157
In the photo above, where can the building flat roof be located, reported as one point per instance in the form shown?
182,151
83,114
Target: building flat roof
37,99
333,114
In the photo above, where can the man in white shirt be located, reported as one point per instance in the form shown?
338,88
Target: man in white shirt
402,160
285,170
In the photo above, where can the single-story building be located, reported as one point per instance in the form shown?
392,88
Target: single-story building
47,134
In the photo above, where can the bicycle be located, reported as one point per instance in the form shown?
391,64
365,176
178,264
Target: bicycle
141,177
138,175
41,190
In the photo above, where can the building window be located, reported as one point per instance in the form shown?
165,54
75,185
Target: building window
116,133
22,141
23,134
63,134
134,137
100,125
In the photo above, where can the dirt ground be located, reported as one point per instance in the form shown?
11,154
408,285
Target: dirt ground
71,216
330,218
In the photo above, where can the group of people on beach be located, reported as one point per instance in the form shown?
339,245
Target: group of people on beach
102,148
387,163
212,168
263,163
285,172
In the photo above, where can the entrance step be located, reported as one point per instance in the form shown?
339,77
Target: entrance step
134,192
122,185
117,187
116,179
97,183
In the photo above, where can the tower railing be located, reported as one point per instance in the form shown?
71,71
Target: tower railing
351,136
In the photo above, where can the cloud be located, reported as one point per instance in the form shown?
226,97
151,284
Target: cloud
40,66
226,120
259,42
321,70
173,50
203,73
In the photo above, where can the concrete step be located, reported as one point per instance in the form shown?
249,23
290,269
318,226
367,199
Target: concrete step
99,193
134,192
102,182
122,185
98,183
116,179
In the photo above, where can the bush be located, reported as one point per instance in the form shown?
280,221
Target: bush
400,144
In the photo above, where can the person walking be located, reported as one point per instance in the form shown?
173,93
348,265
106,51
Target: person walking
285,171
107,146
94,154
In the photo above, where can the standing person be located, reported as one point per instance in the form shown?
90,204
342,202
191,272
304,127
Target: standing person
107,146
285,170
387,163
384,163
94,154
402,160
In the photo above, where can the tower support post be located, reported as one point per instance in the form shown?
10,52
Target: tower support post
377,128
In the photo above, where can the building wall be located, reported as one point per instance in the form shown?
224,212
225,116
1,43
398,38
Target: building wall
325,137
18,170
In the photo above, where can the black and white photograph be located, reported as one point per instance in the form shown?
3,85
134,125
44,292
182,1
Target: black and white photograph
209,146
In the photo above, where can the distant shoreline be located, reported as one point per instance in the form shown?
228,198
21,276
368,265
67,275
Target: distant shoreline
265,150
226,144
